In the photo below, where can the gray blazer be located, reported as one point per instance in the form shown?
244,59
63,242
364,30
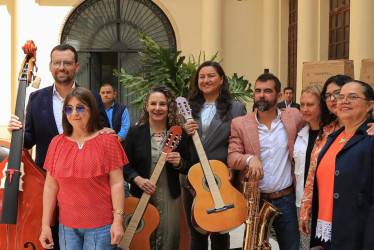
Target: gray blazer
216,141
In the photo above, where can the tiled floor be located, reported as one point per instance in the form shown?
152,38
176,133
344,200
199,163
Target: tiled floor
236,239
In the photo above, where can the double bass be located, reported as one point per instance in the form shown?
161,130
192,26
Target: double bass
22,181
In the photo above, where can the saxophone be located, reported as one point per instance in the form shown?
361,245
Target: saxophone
258,225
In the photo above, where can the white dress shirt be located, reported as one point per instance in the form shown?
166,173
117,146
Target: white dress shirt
299,155
58,104
274,156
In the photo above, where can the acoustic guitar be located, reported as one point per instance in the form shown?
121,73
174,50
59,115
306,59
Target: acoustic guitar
141,221
218,207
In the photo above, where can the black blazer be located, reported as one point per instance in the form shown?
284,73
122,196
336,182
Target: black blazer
138,150
282,105
353,205
41,124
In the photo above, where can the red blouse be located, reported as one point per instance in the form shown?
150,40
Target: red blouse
84,195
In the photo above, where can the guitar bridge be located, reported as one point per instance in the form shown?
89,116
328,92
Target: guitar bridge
217,210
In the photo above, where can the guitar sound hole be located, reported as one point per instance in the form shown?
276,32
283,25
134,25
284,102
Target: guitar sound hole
127,222
205,183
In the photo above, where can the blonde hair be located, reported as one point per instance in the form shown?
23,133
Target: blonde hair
313,89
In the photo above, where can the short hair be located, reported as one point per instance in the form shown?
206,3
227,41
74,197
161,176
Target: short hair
288,88
63,47
269,76
174,118
86,97
106,85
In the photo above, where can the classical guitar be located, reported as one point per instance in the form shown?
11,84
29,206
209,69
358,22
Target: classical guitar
138,225
218,207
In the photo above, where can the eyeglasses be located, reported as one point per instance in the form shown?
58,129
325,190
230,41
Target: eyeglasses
328,97
66,64
349,98
68,110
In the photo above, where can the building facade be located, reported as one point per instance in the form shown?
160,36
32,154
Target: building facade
250,36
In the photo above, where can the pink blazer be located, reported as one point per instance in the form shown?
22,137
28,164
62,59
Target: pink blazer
244,140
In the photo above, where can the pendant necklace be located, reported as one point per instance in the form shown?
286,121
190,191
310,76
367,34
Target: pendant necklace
345,138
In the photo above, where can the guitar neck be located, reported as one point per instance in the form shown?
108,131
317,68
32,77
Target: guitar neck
142,205
216,195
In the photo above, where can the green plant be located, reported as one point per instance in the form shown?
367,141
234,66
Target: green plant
163,66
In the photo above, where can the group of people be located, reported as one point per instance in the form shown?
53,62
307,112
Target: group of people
318,161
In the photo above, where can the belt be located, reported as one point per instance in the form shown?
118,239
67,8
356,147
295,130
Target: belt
278,194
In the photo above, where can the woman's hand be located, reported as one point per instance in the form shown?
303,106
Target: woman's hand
145,184
304,227
116,232
370,130
46,237
191,126
174,158
14,123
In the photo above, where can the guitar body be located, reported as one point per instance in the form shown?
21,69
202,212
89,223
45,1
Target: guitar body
147,225
217,222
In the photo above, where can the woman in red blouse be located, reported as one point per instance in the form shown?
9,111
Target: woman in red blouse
84,175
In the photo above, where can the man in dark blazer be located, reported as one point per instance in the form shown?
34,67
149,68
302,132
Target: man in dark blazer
44,109
288,97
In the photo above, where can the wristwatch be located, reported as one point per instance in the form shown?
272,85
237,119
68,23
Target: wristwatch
120,212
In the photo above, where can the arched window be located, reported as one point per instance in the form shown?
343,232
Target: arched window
105,34
339,29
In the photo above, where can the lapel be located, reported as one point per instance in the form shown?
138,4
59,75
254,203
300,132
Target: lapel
147,146
359,134
290,126
48,103
214,124
251,130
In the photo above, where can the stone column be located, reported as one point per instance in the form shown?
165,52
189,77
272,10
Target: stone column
211,22
270,35
307,37
361,39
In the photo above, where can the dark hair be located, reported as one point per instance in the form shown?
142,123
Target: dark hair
224,101
269,76
86,97
287,88
326,116
174,118
107,84
368,90
63,47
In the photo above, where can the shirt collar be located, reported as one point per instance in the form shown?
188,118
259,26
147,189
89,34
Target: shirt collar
279,113
58,94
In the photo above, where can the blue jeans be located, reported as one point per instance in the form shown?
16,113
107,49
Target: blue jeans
85,238
127,189
286,225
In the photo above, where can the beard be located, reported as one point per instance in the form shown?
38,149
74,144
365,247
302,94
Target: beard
263,104
65,81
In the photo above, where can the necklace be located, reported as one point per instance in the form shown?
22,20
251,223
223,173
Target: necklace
158,137
345,138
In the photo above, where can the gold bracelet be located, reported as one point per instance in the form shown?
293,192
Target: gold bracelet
120,212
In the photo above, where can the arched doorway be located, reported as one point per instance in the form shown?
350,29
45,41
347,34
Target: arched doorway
105,34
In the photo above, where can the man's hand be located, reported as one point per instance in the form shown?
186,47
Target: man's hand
255,168
106,130
14,123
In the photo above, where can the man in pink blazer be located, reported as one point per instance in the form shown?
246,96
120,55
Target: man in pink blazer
262,143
